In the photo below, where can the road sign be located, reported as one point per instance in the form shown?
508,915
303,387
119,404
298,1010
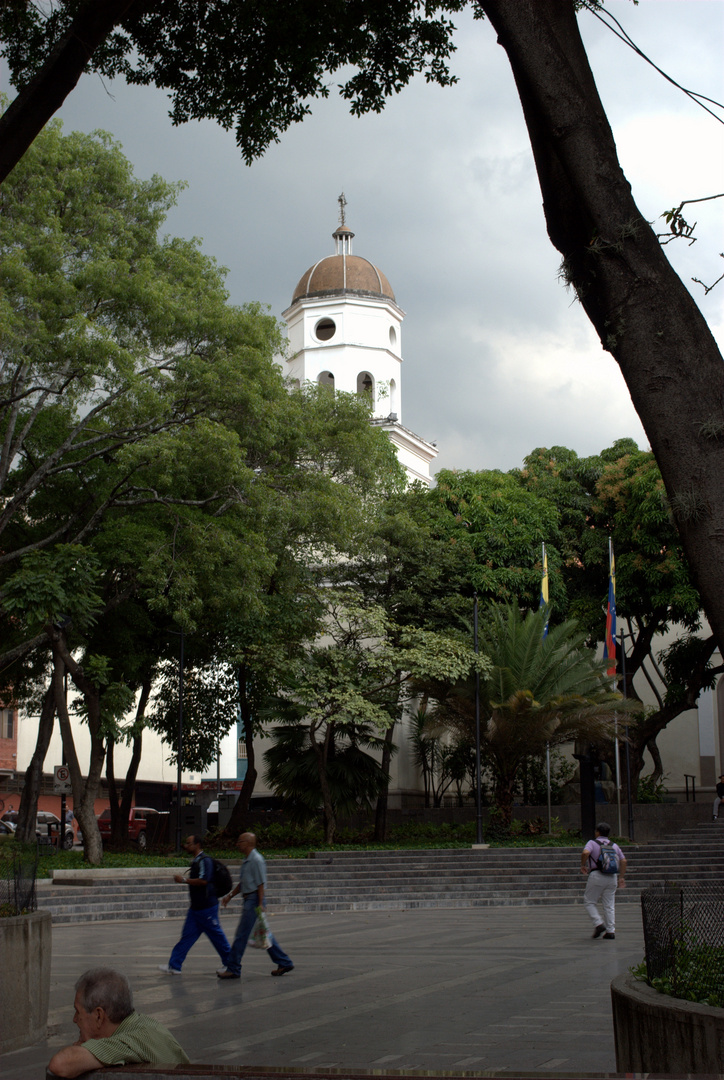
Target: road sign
61,780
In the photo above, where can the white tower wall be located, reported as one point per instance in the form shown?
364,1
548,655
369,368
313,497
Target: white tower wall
345,332
365,341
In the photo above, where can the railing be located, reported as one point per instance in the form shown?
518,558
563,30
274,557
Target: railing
687,778
17,886
684,938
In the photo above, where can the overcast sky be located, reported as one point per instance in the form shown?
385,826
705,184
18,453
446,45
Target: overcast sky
442,196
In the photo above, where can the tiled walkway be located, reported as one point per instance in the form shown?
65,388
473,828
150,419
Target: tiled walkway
518,988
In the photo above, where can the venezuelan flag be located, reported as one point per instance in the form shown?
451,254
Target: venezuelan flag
609,645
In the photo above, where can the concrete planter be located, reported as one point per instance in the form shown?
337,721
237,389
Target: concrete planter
661,1034
25,947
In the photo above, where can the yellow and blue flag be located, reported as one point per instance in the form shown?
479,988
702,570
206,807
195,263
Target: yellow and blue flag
544,588
609,645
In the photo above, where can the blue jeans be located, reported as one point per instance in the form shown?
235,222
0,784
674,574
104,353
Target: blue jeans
243,931
205,921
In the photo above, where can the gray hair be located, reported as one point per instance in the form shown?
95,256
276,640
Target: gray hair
107,988
603,829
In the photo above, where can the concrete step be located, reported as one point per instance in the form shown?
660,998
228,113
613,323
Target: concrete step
510,878
495,899
394,880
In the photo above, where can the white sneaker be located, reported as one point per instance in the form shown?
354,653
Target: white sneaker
168,970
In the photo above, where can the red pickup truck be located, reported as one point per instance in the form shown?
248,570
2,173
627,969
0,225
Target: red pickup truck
138,821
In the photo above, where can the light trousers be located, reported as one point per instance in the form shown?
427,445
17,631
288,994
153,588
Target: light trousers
601,888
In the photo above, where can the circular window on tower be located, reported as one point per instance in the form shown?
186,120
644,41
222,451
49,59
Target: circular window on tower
325,329
393,336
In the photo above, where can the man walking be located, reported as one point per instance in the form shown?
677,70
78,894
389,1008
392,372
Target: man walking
605,866
203,914
252,881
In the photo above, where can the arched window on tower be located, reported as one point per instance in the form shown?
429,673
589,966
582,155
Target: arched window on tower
326,378
366,385
394,398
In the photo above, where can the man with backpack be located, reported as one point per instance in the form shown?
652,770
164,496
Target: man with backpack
203,914
605,866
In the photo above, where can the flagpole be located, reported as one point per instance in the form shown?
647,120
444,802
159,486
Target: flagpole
548,781
478,787
544,604
615,723
618,771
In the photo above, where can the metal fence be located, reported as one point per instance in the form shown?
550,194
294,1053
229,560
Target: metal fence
17,885
684,938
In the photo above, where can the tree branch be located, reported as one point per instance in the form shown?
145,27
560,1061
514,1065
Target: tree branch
46,91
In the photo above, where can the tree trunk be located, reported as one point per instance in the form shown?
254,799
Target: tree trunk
129,786
121,809
239,816
28,810
639,307
381,808
84,791
112,789
504,799
322,753
45,93
658,774
636,765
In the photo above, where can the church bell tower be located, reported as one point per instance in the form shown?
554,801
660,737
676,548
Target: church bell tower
345,332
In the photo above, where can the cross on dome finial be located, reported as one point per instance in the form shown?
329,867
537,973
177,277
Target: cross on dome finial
342,236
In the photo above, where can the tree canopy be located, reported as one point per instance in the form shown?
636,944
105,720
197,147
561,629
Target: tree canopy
158,472
251,66
611,257
536,690
620,494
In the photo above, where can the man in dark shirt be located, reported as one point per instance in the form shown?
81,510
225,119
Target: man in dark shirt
203,915
719,797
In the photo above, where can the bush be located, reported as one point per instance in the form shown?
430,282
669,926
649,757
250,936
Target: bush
698,974
650,792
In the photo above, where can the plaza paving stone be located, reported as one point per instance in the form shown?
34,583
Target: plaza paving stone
515,988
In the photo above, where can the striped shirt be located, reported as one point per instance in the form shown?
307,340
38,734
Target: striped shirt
138,1039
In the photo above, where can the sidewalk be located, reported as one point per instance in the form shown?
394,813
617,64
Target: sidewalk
520,988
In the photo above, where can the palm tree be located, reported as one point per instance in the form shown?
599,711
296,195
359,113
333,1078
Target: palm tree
539,691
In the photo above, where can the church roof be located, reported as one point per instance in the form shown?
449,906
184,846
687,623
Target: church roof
343,273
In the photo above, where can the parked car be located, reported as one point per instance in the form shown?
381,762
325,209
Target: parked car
139,820
47,827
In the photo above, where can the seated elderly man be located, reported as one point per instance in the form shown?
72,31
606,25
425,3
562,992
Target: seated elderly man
111,1032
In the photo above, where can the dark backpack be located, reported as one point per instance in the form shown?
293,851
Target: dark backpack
607,861
220,879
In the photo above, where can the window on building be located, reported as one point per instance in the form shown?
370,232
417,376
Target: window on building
325,329
7,724
365,385
242,750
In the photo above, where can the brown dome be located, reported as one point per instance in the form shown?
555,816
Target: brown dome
337,274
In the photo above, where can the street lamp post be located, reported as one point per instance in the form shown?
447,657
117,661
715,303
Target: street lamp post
478,791
179,750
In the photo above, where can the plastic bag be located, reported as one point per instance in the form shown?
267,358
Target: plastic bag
260,934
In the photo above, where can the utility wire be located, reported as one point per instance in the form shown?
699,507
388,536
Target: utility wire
599,11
